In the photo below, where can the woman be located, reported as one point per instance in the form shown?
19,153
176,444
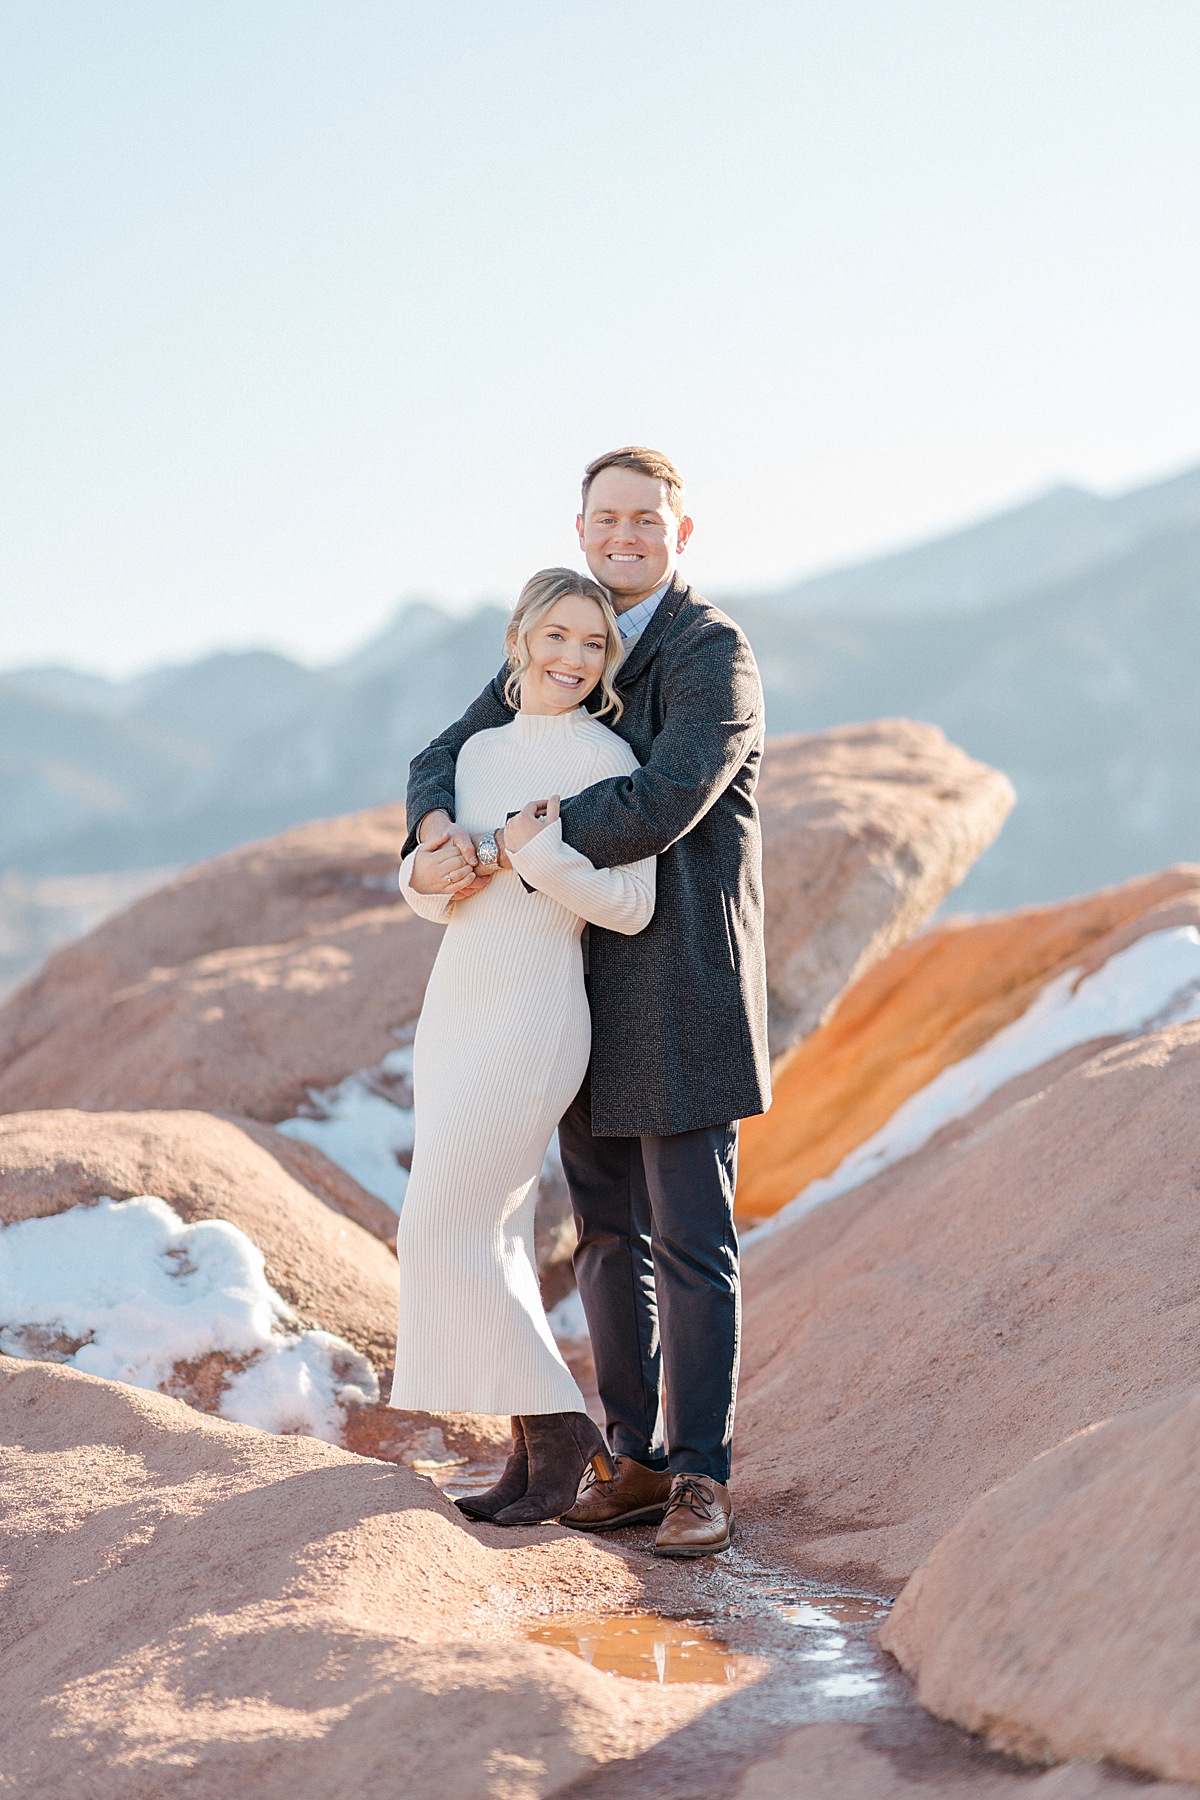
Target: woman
502,1047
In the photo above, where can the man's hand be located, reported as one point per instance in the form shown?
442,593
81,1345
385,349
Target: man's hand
524,826
442,826
436,830
439,867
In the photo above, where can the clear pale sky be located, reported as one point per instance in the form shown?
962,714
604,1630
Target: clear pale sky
313,304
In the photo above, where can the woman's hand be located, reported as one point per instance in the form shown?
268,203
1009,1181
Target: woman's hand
524,826
439,867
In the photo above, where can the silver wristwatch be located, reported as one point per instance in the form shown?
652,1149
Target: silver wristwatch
488,851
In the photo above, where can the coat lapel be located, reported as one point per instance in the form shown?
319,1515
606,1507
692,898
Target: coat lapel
645,646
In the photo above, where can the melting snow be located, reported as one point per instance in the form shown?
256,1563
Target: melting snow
145,1291
363,1129
1155,982
568,1320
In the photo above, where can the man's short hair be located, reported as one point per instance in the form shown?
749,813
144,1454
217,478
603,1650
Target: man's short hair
646,462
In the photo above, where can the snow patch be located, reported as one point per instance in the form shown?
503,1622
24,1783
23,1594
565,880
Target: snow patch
366,1124
127,1291
568,1320
1153,983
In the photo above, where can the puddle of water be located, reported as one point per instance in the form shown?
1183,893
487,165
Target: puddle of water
645,1647
824,1612
462,1476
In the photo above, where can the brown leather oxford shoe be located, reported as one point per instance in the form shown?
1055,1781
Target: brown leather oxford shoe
698,1520
635,1496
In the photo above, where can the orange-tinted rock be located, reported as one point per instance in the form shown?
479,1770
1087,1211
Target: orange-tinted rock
275,968
335,1275
921,1338
1058,1618
930,1003
866,829
196,1609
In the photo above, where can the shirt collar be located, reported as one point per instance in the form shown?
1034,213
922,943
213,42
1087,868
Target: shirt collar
631,624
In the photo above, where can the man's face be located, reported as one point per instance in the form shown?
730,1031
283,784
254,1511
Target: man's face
629,535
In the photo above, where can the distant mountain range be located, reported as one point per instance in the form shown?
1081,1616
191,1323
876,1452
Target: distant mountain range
1059,640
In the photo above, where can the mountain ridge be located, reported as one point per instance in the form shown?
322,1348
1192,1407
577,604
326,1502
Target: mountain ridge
1082,686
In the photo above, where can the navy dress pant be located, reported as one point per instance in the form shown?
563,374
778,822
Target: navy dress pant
657,1265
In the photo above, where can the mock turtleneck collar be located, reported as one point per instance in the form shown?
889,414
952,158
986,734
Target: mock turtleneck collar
538,728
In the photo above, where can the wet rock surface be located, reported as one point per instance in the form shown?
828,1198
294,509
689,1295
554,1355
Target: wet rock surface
199,1609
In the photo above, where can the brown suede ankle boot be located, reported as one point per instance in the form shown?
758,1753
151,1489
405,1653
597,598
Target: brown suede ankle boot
560,1445
510,1487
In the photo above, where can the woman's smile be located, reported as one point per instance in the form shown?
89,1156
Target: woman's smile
567,648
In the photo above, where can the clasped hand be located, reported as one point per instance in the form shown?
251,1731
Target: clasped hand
524,826
447,860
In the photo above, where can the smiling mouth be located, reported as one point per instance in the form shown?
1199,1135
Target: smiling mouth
564,680
620,556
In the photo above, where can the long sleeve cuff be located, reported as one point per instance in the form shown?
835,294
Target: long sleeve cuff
426,906
618,899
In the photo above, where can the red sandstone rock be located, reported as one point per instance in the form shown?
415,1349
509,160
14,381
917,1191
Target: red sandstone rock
858,1762
335,1275
930,1003
250,979
197,1609
274,969
866,828
1027,1274
1058,1618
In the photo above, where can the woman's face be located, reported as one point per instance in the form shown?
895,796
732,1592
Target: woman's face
566,650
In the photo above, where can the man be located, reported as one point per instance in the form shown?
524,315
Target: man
679,1040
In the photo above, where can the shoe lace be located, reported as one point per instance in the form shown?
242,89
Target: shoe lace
692,1491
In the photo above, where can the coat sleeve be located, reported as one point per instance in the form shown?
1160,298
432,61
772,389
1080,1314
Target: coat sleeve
431,773
713,715
426,906
619,899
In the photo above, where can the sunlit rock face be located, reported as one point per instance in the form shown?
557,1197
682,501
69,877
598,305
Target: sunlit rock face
866,829
332,1276
285,967
945,997
1058,1618
275,969
1026,1274
194,1607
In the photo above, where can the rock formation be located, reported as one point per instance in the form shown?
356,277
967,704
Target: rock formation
290,964
1027,1274
203,1607
198,1609
932,1002
866,829
268,971
1058,1618
335,1275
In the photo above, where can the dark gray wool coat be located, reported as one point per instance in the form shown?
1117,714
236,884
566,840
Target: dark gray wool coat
679,1012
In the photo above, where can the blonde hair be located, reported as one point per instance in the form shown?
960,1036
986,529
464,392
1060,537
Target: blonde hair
541,592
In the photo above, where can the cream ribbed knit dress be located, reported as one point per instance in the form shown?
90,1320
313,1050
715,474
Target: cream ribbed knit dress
501,1048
